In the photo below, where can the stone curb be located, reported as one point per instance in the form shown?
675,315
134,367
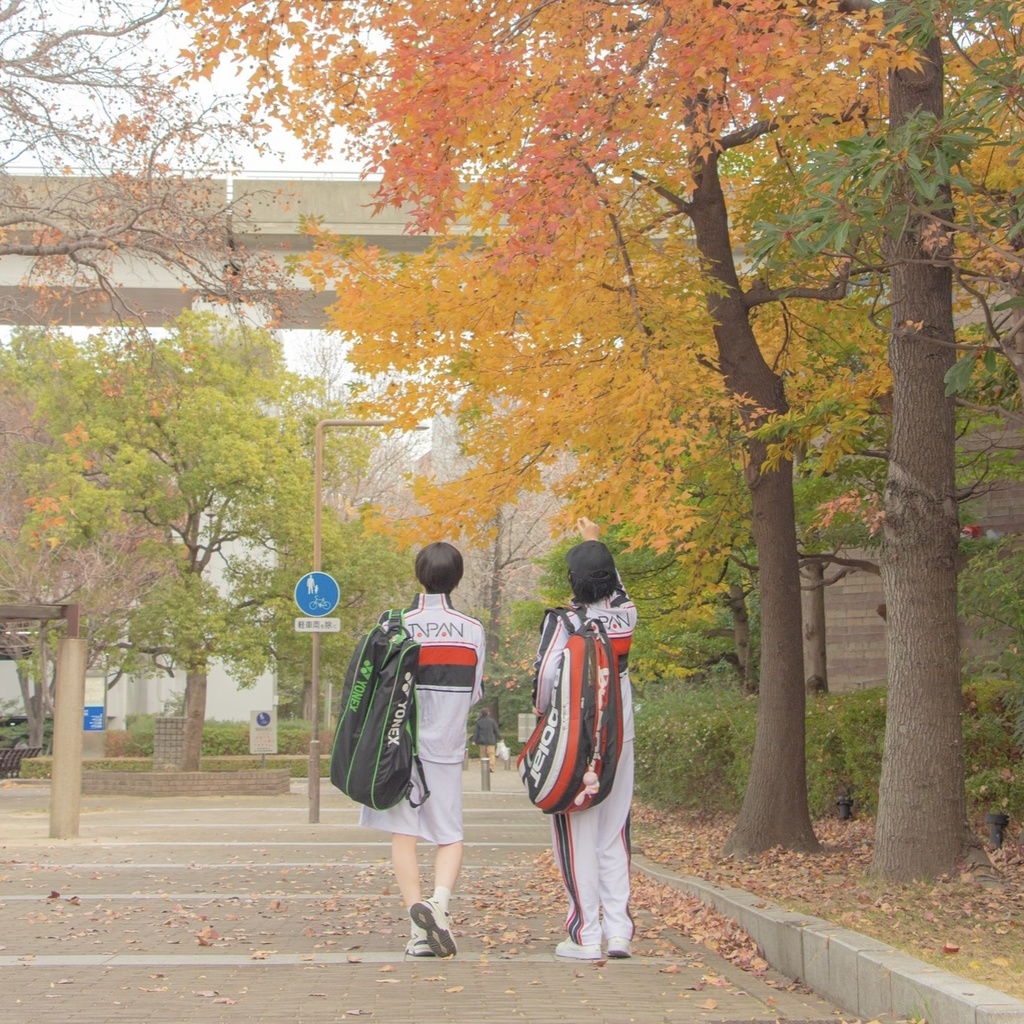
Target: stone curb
863,976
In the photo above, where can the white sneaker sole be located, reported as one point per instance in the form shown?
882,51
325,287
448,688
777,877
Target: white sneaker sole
579,953
439,938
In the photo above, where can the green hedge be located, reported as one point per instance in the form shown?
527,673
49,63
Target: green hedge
220,739
227,739
693,749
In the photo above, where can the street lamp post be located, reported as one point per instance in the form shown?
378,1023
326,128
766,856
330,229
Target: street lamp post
318,474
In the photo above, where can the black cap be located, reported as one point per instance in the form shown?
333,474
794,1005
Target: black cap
591,562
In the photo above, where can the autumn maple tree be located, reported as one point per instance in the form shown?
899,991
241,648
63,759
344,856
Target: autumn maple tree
588,165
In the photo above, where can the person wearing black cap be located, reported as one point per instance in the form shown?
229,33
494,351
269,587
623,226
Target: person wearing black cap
592,846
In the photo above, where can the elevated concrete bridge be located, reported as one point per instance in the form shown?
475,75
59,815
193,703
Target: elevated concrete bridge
266,222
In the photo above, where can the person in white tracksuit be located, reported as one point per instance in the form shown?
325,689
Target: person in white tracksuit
592,846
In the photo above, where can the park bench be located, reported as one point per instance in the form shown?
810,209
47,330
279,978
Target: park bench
11,758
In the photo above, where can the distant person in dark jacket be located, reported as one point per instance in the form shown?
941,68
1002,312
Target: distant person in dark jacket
486,736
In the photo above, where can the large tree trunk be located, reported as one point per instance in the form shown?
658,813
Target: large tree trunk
921,807
774,811
195,716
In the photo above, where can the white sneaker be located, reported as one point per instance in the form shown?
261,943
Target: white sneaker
418,947
574,951
437,924
620,949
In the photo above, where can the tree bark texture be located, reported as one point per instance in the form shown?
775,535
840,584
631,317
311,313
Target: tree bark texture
195,717
921,816
34,710
774,811
815,631
496,593
741,637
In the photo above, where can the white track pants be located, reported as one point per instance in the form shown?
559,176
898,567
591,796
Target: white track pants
592,853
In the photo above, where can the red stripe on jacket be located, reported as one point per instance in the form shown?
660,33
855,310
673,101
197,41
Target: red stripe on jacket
440,654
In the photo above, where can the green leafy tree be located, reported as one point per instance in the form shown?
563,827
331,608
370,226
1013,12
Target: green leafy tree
186,432
104,565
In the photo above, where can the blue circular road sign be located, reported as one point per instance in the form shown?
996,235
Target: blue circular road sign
317,594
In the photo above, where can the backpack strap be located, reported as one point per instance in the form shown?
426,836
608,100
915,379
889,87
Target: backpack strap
393,618
423,783
563,615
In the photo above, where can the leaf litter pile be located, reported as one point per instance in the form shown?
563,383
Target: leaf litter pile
971,924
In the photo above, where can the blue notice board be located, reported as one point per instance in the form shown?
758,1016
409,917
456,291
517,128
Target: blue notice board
95,717
93,720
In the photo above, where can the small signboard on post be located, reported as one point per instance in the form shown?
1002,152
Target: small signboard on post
95,710
262,732
317,625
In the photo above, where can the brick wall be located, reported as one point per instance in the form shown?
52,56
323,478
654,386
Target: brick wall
168,744
257,782
854,631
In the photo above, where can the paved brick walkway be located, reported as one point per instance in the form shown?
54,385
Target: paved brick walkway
238,909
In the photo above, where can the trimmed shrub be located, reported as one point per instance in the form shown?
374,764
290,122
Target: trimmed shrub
992,759
693,749
220,739
845,739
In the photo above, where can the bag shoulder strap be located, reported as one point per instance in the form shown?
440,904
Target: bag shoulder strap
586,624
562,614
391,618
423,782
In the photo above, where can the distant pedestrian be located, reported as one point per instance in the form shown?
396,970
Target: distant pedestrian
450,682
592,845
486,736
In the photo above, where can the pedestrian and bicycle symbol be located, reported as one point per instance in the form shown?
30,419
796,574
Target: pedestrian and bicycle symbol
317,594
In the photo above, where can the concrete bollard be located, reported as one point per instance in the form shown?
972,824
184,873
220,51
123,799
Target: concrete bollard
68,712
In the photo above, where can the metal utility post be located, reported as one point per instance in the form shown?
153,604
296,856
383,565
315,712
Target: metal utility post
318,486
